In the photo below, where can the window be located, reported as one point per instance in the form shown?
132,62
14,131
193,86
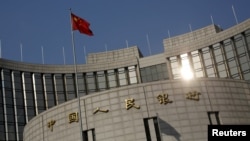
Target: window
39,92
1,97
49,89
29,95
186,69
219,60
19,96
247,36
122,77
9,104
81,84
241,50
147,126
112,81
60,89
231,60
213,118
89,135
175,67
102,82
154,73
70,86
198,70
91,82
162,71
208,63
132,75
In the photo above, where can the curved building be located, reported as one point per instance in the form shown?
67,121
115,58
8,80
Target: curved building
201,78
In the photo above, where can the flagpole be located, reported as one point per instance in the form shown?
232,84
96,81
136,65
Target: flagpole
190,28
21,49
234,15
0,49
127,43
106,50
63,56
76,80
85,57
212,19
42,54
149,48
170,40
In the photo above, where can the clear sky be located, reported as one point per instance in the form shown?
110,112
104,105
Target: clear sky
46,24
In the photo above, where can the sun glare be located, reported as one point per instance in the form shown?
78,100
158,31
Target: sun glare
186,71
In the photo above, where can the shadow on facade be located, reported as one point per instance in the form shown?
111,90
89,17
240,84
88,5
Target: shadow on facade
168,129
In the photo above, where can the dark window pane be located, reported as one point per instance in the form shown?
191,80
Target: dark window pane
81,84
60,88
91,82
39,92
50,90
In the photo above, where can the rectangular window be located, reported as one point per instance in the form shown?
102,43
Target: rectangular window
230,59
150,124
175,67
70,86
60,89
208,64
102,82
149,75
242,52
112,81
89,135
9,101
2,131
11,132
186,69
143,75
198,71
147,129
162,71
50,92
122,75
81,84
91,82
219,60
239,44
19,96
30,99
132,75
2,123
213,117
39,92
247,36
154,73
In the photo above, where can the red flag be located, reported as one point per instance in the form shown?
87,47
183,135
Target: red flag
81,25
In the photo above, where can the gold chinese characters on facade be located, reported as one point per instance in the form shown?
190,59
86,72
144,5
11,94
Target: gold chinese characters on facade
100,110
131,103
50,125
193,95
163,99
73,117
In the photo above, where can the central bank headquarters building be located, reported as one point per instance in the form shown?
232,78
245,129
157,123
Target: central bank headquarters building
201,78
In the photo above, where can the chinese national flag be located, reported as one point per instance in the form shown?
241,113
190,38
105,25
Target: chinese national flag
81,25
